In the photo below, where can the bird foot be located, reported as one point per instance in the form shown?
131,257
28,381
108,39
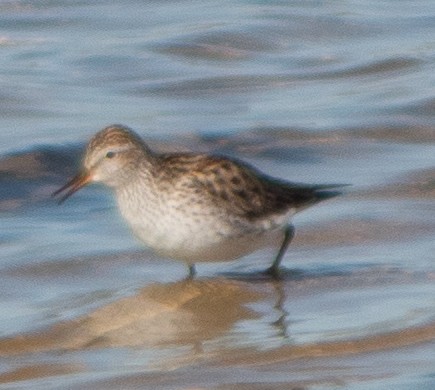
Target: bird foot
274,273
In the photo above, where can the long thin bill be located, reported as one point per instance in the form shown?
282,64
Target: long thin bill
72,186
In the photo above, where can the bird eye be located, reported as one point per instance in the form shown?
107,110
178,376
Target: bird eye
110,154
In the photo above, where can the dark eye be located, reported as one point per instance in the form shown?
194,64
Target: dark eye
110,154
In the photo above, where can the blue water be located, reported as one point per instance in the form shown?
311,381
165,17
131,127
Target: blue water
307,91
69,68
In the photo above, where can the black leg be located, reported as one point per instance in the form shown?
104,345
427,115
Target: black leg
289,233
192,271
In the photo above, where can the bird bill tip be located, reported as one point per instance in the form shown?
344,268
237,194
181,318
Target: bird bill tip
72,186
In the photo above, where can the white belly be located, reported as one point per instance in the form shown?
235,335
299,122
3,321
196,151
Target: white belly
190,235
224,249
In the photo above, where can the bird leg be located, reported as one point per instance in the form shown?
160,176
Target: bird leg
192,271
289,233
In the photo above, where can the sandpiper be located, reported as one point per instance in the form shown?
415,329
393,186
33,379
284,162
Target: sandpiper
194,207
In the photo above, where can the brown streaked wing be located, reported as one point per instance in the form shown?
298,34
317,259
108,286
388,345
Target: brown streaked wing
235,185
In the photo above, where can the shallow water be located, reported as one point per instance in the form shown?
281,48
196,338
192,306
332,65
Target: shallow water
307,91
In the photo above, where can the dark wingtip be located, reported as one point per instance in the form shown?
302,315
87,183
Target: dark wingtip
324,195
328,191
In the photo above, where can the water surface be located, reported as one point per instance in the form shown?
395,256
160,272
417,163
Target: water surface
308,91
